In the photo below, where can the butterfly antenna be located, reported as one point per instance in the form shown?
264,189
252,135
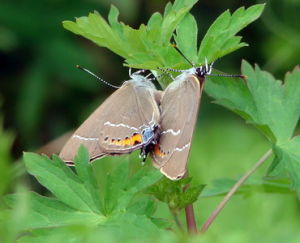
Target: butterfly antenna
181,53
148,76
167,71
94,75
229,75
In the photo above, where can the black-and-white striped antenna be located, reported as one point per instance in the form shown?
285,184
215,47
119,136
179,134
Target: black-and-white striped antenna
206,65
94,75
181,53
228,75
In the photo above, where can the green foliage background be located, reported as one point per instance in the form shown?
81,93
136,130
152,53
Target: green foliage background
43,96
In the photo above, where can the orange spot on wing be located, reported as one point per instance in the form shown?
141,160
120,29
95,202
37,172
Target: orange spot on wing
136,139
158,152
118,142
127,141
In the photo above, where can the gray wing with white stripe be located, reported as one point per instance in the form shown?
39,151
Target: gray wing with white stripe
179,108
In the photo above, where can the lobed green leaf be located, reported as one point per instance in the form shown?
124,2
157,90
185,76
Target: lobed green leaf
85,174
287,161
220,187
175,193
172,18
148,47
78,200
186,37
61,181
270,105
263,101
46,212
120,189
145,47
220,38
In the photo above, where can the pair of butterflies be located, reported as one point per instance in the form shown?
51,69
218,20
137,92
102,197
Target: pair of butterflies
138,116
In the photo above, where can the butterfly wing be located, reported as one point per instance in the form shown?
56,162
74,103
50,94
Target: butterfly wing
123,123
179,108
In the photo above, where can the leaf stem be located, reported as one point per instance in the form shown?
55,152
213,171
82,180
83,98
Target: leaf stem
177,221
233,190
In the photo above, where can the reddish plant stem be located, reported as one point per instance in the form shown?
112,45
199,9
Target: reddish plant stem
190,219
233,190
190,215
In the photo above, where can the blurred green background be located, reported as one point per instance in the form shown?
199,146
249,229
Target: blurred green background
43,95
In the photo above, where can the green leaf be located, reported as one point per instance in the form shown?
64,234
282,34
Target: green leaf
270,105
78,200
291,100
186,37
113,19
116,182
49,212
161,223
288,161
139,225
220,187
61,181
12,221
85,173
96,29
172,18
220,38
70,234
164,189
144,178
175,193
128,228
146,47
188,196
153,27
168,8
263,101
144,206
120,188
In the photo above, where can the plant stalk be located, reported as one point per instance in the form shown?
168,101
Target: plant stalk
190,219
233,190
190,215
177,221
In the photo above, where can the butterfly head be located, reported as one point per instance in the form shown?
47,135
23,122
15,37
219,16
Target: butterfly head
204,70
